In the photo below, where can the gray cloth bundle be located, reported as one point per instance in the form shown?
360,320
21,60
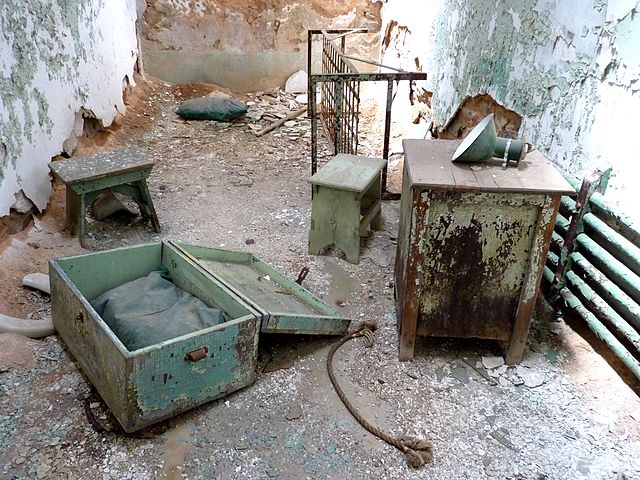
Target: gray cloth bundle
152,309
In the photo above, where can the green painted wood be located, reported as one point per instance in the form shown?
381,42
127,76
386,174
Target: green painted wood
99,184
101,165
154,383
190,277
475,255
346,200
124,170
335,220
166,383
94,273
349,172
286,307
101,356
470,243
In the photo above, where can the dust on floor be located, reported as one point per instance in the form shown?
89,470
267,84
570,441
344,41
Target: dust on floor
564,413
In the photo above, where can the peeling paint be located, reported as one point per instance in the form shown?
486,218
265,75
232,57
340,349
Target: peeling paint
242,44
572,73
55,59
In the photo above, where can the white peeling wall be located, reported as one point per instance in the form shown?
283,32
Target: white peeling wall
58,58
570,68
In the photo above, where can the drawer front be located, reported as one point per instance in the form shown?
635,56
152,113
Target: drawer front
171,377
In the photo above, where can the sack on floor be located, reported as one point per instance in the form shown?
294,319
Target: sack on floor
152,309
211,108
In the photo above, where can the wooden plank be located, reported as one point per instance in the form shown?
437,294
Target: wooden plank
428,163
529,294
188,276
286,306
486,176
262,290
95,273
373,210
409,303
163,382
430,166
349,172
99,165
464,178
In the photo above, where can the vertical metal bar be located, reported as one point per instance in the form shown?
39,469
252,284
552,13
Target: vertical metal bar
588,187
314,126
357,117
309,42
338,115
387,133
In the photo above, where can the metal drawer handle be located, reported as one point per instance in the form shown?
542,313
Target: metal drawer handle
197,354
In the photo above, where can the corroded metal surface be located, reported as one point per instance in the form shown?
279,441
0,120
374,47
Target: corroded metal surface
339,106
475,251
470,256
596,264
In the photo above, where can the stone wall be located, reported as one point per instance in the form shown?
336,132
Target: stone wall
569,68
244,44
61,61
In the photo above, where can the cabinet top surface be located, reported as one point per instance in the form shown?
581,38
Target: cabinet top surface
349,172
428,163
102,164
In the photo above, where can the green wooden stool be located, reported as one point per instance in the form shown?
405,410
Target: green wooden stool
124,171
346,200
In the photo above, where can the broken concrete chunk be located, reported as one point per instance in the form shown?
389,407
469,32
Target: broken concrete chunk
297,83
294,413
531,378
501,370
460,374
492,362
107,204
504,382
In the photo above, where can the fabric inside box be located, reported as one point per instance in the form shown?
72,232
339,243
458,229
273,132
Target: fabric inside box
151,309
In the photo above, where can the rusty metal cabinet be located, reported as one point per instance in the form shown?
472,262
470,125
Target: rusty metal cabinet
472,243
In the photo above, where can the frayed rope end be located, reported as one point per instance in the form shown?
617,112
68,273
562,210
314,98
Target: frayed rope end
418,452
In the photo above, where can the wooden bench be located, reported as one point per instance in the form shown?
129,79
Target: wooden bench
346,200
123,171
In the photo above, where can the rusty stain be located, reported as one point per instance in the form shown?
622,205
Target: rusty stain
197,354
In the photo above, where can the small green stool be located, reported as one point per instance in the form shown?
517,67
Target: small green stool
123,171
346,200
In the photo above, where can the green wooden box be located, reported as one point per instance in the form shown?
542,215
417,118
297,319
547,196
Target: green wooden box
151,384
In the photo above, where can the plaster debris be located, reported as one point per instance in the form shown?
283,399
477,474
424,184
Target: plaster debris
492,362
530,377
295,412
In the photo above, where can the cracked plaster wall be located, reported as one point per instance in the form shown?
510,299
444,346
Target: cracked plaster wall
60,61
246,45
570,68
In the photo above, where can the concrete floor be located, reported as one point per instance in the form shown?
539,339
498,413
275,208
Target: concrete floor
564,413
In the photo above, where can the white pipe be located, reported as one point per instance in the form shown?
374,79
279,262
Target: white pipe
39,281
30,328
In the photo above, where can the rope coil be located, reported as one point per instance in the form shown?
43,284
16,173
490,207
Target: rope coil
418,451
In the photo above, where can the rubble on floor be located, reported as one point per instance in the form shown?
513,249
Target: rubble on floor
563,413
